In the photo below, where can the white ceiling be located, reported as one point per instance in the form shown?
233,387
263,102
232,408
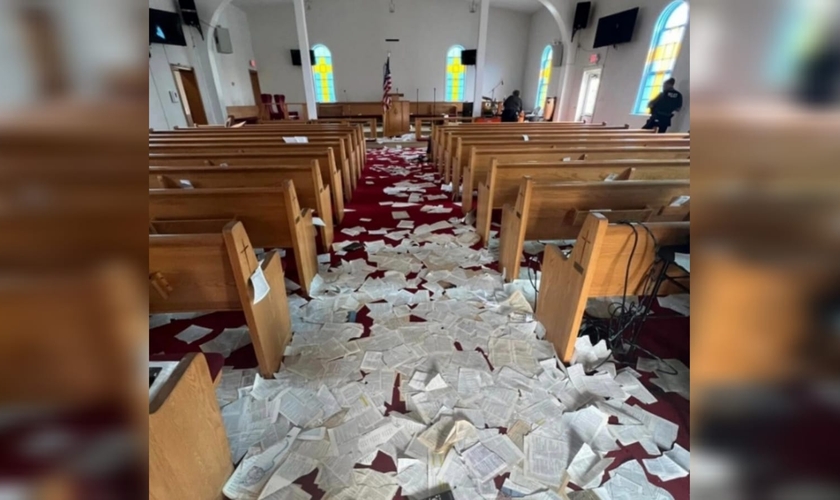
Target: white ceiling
529,6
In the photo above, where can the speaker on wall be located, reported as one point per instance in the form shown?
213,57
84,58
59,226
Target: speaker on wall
189,13
582,15
223,43
557,55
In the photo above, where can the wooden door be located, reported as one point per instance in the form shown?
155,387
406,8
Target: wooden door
187,84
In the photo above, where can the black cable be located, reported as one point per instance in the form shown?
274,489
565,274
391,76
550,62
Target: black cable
624,317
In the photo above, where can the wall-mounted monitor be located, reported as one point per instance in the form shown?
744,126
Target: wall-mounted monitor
616,29
296,58
165,27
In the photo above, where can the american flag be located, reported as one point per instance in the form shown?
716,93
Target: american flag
386,84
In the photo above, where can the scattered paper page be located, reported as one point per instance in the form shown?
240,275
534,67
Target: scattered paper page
193,333
259,284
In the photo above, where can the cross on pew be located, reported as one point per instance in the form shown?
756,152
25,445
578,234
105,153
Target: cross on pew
502,183
554,211
598,267
481,162
206,265
330,175
272,217
307,180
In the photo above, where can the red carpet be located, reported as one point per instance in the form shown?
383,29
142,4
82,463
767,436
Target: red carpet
667,337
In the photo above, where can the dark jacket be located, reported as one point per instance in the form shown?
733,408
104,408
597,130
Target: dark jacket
513,104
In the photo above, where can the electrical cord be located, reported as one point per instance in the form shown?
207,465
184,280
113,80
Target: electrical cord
624,317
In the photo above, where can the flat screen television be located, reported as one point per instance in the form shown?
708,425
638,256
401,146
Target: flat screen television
296,58
616,29
165,27
468,57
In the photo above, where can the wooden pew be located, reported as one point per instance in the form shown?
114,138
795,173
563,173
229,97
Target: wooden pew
370,122
289,128
553,211
448,141
597,269
353,136
465,146
216,147
480,161
307,180
330,174
272,217
441,138
419,121
501,187
206,265
189,454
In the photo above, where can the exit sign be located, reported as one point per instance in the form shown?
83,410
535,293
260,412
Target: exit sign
253,63
594,58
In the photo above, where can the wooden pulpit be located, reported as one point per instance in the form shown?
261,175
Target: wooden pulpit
396,118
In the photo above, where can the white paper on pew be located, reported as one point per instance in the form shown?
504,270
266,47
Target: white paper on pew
525,138
680,201
185,184
296,140
260,285
317,221
193,333
611,177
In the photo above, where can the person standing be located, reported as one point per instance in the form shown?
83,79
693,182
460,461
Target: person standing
512,108
663,107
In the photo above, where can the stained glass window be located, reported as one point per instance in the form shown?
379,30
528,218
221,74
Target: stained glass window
455,75
323,72
545,76
664,49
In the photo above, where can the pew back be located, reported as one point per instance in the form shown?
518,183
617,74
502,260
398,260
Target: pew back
551,211
503,182
272,217
309,187
194,269
597,269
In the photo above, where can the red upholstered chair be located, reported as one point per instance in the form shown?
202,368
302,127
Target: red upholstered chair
268,105
280,99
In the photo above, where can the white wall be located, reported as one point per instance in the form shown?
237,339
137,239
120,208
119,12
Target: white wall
543,31
623,65
234,68
507,44
355,32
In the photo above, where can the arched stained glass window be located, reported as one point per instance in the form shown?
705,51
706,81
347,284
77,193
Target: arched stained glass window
545,76
455,75
323,72
664,49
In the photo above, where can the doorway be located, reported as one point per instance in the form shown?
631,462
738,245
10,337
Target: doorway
187,84
255,87
588,95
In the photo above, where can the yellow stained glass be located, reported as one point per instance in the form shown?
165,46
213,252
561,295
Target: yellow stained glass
663,53
455,75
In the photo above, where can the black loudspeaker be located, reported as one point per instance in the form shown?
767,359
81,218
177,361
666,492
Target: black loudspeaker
582,16
296,61
467,110
468,57
189,13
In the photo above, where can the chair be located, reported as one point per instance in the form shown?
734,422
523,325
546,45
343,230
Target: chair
269,106
280,99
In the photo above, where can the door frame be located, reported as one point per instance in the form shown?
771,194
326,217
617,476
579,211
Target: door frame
177,71
584,88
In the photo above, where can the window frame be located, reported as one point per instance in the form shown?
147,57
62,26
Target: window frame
546,60
649,73
330,78
448,81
